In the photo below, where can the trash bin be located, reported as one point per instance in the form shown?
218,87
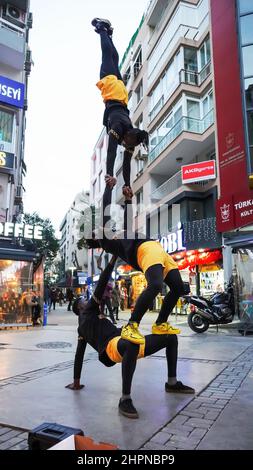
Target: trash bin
48,434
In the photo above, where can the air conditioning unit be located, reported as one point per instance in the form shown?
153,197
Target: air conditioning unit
14,15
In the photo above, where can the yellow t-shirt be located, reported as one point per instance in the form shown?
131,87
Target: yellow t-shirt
113,89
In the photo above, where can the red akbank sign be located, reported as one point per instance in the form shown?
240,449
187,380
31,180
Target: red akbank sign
198,172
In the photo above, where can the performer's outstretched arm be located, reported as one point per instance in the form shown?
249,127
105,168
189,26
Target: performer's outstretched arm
103,280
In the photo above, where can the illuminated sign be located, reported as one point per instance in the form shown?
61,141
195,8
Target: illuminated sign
7,160
198,172
174,241
12,92
9,229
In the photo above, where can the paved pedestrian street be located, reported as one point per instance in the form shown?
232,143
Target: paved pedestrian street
36,364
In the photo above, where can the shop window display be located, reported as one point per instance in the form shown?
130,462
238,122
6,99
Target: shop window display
16,292
243,268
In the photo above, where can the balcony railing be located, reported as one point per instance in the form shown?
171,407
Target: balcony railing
192,77
185,124
156,109
174,183
171,185
11,35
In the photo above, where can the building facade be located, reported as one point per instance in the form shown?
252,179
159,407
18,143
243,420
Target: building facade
74,260
20,276
195,102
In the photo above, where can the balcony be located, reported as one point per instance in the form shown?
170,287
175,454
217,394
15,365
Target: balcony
156,109
173,184
12,45
190,77
185,124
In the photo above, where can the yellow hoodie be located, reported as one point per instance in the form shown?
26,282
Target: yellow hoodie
113,89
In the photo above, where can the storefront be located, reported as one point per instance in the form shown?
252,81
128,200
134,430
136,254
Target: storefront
203,269
239,259
21,276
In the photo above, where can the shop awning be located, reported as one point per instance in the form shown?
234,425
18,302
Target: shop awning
17,255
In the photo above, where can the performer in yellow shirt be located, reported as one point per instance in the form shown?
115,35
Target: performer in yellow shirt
116,116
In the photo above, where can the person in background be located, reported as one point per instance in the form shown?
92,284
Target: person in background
53,296
106,301
70,297
115,300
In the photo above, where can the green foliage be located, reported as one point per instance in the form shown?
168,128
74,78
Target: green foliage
49,245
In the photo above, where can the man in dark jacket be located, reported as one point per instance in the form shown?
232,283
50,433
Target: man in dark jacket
97,331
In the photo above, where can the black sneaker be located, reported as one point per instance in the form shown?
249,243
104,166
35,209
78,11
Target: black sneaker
102,24
126,408
179,387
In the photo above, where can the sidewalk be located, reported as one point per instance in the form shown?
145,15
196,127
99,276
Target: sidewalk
35,366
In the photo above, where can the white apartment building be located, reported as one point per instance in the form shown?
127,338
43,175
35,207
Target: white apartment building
168,65
70,234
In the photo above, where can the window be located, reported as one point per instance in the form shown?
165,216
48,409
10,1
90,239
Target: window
196,210
249,92
205,54
245,6
247,54
94,189
6,125
139,93
207,103
139,201
137,63
127,75
99,181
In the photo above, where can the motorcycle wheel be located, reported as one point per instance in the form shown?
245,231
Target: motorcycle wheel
197,323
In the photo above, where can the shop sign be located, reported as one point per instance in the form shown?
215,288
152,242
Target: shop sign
198,172
12,92
174,241
228,98
6,160
235,212
9,229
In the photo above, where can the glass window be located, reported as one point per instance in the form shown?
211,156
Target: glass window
139,93
247,53
247,29
251,158
196,210
18,300
250,126
248,85
246,6
190,59
177,115
6,125
193,109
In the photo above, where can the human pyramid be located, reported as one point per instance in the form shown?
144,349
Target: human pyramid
113,344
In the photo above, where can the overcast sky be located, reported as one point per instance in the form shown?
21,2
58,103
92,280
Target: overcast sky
65,109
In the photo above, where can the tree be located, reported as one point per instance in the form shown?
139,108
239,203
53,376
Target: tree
49,245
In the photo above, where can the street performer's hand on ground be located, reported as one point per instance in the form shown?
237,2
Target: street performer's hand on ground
110,181
75,385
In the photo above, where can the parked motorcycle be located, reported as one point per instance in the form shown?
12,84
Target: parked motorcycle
219,309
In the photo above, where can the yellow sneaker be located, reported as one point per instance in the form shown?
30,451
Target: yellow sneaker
132,334
164,329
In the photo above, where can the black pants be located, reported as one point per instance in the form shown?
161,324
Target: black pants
110,57
107,302
154,277
110,66
154,343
